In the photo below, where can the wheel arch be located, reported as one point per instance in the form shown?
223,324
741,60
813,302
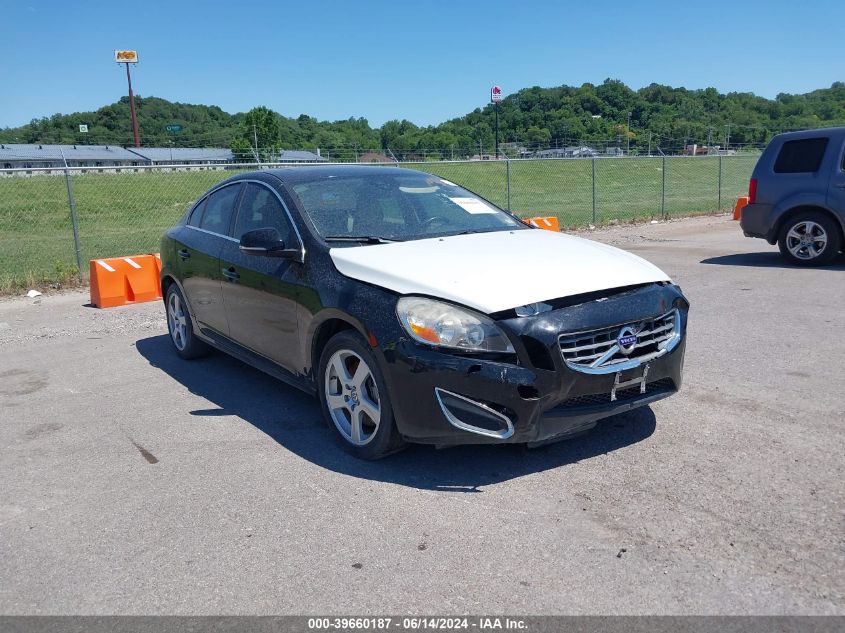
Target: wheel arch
167,281
792,212
322,330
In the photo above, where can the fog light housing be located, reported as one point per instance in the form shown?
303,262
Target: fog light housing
474,417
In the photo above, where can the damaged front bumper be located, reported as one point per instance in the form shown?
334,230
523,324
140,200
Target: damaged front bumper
539,394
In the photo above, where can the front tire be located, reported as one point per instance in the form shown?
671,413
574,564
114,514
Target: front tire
180,326
354,398
809,239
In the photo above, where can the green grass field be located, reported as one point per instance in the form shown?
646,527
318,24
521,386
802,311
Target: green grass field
125,213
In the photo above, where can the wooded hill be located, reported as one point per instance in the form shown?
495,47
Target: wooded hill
531,117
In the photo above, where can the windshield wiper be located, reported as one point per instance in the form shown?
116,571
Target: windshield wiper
363,239
470,232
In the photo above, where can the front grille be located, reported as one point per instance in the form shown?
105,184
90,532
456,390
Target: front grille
664,385
600,349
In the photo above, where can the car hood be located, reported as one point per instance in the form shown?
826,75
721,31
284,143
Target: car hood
496,271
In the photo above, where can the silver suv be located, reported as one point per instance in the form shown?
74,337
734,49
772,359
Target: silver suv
797,196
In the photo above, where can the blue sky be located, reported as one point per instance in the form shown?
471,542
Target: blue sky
423,61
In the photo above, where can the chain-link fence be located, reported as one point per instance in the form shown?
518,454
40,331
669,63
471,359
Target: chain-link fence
47,215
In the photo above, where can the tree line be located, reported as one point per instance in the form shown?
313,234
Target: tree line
532,117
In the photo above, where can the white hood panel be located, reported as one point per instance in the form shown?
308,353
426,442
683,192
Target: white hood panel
496,271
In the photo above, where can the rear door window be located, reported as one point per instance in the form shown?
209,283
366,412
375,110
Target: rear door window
196,214
801,156
261,209
219,208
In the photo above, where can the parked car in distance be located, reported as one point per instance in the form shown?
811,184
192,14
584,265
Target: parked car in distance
417,311
797,196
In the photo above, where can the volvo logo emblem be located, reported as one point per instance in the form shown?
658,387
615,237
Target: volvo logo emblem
626,340
352,399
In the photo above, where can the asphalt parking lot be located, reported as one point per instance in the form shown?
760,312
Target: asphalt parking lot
132,482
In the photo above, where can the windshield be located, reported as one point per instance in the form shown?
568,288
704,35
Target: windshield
390,206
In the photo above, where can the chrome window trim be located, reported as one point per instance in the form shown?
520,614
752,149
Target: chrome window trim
207,232
457,423
671,344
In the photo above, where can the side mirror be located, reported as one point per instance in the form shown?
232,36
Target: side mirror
266,242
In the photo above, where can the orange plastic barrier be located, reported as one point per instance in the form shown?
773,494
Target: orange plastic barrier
120,280
740,203
549,223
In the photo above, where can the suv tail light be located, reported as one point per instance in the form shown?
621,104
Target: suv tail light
752,191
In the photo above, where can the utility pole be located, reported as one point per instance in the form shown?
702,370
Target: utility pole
649,143
628,152
255,138
130,57
728,137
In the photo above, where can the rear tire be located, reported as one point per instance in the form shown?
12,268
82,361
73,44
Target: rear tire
180,326
354,398
809,239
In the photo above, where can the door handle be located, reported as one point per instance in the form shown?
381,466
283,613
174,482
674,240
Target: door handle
184,254
231,274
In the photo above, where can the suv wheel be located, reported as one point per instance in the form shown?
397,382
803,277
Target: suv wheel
809,239
354,398
180,326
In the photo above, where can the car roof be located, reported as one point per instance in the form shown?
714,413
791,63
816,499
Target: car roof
813,133
293,175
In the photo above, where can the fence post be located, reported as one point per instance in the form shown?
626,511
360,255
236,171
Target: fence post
594,189
663,190
508,163
73,221
719,209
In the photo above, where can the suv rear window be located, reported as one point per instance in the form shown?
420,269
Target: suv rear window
801,156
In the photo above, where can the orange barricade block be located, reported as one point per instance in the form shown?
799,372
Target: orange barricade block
549,223
740,203
117,281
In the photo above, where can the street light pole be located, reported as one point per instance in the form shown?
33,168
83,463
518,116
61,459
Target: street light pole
628,151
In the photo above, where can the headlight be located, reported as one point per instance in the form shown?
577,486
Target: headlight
436,323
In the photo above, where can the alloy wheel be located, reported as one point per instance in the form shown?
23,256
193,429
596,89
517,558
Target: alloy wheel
177,321
352,397
806,240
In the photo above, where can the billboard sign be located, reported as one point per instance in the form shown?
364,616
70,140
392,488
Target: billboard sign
83,129
495,94
126,57
173,128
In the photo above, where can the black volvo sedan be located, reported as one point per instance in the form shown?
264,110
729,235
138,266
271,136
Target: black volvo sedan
417,311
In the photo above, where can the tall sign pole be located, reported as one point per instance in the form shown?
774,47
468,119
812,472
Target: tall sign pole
496,97
130,57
